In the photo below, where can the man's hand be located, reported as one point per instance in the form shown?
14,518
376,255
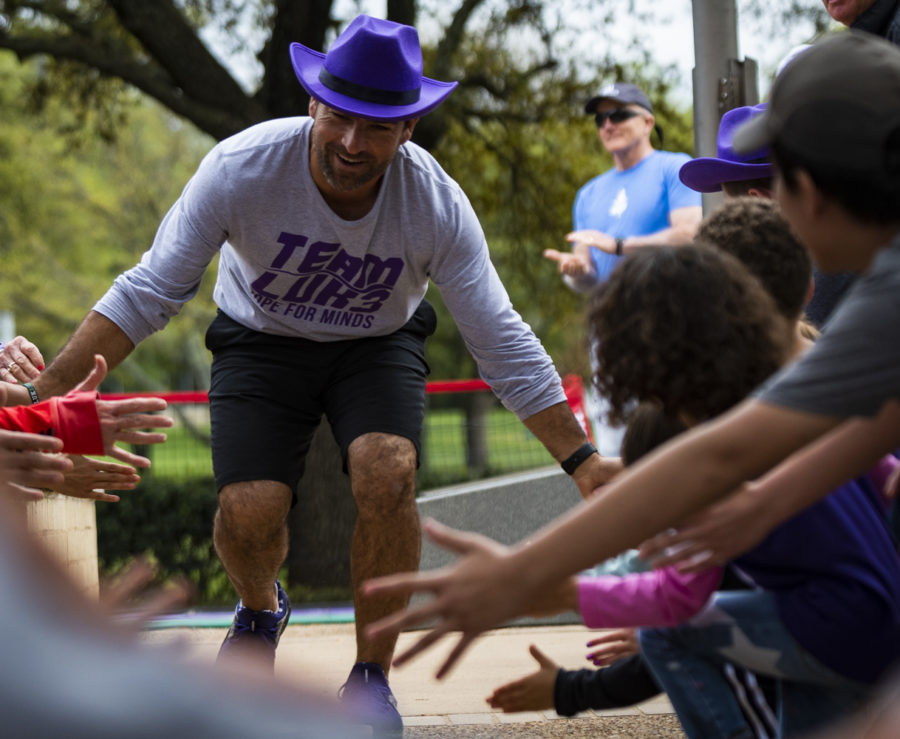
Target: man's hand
91,478
478,592
612,646
587,237
20,361
533,692
26,466
570,263
595,472
712,537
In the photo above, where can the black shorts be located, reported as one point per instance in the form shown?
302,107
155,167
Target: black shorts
268,393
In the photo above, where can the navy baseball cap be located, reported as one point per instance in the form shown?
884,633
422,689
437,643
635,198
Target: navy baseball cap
619,92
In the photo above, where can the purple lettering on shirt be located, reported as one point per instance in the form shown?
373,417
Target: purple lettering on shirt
317,256
290,242
260,284
304,287
372,301
344,266
335,294
380,271
321,273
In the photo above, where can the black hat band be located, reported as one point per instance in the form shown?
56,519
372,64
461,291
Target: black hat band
365,93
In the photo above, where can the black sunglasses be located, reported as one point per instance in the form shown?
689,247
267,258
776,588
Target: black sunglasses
615,116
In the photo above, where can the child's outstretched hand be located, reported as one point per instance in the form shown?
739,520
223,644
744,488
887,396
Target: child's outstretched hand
533,692
613,645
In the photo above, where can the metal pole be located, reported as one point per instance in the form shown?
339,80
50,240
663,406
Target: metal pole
715,53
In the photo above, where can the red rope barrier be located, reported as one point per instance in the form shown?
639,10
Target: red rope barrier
572,385
175,397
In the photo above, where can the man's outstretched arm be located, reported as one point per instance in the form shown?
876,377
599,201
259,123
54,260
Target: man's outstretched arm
559,431
95,335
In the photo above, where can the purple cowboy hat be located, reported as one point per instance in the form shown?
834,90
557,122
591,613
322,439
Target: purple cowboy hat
706,174
372,70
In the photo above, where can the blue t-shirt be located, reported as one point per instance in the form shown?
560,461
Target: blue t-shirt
634,202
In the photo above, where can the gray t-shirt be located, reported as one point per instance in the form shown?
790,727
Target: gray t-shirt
855,366
290,266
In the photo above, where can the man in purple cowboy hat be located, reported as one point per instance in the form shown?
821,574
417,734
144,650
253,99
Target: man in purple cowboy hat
752,173
732,173
328,229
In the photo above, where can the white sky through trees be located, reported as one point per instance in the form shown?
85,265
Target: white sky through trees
668,34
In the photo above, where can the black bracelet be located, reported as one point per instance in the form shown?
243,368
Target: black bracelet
32,392
578,456
620,243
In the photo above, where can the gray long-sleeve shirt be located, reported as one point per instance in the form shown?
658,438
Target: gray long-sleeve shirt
290,266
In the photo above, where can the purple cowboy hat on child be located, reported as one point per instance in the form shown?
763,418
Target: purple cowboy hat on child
372,70
706,174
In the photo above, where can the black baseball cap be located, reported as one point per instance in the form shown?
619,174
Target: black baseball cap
837,104
620,92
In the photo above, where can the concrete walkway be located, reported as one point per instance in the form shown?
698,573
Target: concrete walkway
318,657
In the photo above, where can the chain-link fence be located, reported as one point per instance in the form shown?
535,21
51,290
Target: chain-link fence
468,435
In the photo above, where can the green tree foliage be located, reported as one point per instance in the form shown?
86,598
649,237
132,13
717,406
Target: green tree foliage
77,211
522,176
88,166
513,133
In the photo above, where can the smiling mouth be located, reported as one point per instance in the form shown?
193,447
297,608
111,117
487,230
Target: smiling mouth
349,162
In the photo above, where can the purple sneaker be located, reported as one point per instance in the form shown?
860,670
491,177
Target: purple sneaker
256,633
369,700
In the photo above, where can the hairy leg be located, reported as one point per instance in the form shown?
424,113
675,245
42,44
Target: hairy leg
387,537
251,538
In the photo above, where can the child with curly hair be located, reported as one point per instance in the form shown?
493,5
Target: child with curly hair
625,679
690,330
823,419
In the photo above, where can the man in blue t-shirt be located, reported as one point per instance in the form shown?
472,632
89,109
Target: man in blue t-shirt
639,201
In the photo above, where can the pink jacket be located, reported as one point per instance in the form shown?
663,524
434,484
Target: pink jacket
663,597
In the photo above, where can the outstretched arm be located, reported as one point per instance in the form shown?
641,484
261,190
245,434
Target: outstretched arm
491,583
559,431
95,335
737,524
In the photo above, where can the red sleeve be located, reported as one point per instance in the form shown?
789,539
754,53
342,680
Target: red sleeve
72,418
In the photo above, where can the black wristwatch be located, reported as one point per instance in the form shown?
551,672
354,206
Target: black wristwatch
578,456
620,244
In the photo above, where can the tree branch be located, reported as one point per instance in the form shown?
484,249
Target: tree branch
453,37
305,22
146,77
402,11
163,31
